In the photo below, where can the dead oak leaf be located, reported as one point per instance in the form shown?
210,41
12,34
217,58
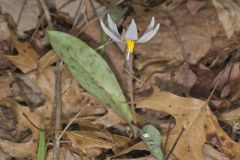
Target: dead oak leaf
87,140
27,149
200,125
27,58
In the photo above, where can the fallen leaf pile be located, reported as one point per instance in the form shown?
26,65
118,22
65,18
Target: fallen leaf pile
194,55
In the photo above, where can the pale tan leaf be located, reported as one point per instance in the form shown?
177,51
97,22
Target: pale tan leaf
199,123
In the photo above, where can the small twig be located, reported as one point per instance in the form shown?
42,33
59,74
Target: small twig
72,120
34,125
46,13
21,10
175,143
134,77
58,116
2,115
204,108
37,27
78,13
104,45
167,137
95,18
65,4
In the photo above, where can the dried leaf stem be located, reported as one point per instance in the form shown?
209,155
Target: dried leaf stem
46,13
175,143
58,113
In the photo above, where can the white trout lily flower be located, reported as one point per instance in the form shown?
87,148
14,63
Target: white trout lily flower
130,37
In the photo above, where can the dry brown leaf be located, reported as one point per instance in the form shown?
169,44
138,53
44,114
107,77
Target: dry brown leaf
26,149
229,15
230,117
46,82
28,91
27,10
49,58
199,122
68,7
137,146
27,58
4,30
87,140
109,119
193,6
65,154
4,156
5,85
212,154
179,81
231,72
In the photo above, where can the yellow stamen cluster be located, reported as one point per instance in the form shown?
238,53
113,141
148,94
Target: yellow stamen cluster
130,45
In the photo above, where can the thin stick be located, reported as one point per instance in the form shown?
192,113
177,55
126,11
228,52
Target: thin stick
134,77
20,14
58,120
78,13
175,143
72,120
167,137
37,28
46,12
34,125
94,19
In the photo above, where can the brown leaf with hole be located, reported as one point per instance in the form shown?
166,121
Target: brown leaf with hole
27,58
199,122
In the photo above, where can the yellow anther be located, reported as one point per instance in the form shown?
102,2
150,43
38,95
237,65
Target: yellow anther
130,45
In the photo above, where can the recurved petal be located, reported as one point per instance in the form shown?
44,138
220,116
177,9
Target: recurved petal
109,33
150,26
113,26
147,36
132,31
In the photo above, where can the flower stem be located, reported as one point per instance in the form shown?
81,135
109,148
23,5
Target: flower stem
130,85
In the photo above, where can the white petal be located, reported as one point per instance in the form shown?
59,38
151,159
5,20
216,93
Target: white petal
113,26
132,31
109,33
150,26
147,36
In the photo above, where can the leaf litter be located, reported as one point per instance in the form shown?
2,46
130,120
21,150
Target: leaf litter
197,46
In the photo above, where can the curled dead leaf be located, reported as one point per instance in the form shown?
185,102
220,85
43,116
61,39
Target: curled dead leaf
199,122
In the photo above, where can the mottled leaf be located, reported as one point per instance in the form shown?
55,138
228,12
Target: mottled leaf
91,71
